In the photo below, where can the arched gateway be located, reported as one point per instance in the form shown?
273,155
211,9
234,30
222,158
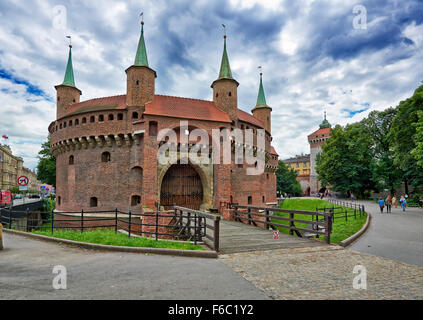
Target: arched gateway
181,185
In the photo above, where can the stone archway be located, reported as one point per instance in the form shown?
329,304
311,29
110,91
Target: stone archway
181,185
195,176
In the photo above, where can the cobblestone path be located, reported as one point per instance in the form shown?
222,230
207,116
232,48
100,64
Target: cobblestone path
325,273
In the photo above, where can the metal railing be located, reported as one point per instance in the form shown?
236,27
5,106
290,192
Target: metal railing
179,223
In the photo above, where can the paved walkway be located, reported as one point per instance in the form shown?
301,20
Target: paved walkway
241,237
26,273
321,272
393,235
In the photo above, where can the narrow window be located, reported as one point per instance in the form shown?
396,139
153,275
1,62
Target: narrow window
101,117
217,94
73,100
70,123
58,98
92,119
263,199
84,120
111,117
135,200
77,122
59,200
64,124
105,157
250,200
134,115
71,160
152,128
230,94
138,82
120,116
60,126
93,202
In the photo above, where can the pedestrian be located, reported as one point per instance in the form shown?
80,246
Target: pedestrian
381,204
388,204
395,201
403,203
352,197
420,202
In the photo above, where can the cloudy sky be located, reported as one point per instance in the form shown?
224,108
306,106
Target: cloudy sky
346,57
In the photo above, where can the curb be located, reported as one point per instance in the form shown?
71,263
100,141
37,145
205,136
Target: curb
86,245
358,234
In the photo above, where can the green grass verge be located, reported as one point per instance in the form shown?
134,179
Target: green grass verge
109,237
341,229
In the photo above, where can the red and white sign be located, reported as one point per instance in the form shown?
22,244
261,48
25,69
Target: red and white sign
276,235
23,181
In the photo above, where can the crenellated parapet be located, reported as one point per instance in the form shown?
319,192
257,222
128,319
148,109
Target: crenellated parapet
92,142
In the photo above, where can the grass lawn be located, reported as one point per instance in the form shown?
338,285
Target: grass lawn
109,237
341,229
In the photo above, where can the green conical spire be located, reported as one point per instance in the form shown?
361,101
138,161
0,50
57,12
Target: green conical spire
325,123
141,57
261,99
69,79
225,68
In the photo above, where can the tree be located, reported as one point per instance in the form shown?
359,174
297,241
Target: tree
403,133
286,180
46,168
417,152
346,160
385,173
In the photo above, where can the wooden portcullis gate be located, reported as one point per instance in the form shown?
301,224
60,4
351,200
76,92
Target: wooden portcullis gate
181,186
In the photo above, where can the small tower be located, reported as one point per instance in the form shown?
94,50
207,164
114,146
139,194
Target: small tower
140,78
67,92
316,140
262,111
225,88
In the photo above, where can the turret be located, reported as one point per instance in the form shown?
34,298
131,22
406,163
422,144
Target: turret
67,92
225,88
262,111
140,78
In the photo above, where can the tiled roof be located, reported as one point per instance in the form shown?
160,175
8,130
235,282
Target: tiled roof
186,108
166,106
273,151
320,131
246,117
106,103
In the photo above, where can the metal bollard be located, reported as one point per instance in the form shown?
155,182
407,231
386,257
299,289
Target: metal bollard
1,236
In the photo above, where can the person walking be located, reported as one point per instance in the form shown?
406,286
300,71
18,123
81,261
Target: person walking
395,201
403,203
381,204
388,204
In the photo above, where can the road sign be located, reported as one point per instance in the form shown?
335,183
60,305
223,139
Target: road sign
23,181
21,188
42,188
276,235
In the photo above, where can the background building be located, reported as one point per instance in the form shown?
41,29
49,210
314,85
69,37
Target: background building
301,165
316,140
11,168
